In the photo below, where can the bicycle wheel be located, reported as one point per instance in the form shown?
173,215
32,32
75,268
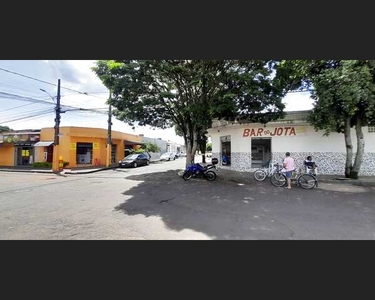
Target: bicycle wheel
307,181
278,179
260,175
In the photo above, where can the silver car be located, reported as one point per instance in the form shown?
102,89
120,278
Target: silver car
168,156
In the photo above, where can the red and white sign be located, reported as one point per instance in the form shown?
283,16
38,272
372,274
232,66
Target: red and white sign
268,132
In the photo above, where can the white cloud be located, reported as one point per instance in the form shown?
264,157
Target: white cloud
74,74
77,75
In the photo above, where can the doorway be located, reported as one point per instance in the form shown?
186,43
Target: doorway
113,154
84,153
24,156
225,150
260,151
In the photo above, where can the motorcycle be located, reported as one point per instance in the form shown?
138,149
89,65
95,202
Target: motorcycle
197,171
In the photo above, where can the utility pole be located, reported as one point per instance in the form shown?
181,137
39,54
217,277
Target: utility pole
56,143
109,138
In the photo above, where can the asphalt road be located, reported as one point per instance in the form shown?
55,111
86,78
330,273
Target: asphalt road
153,202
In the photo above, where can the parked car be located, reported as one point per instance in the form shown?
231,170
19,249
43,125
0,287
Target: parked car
168,156
134,160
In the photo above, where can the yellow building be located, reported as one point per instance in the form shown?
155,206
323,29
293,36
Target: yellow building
79,146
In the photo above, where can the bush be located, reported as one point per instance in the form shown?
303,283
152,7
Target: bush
47,164
42,165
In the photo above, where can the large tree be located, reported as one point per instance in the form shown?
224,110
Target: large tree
344,94
4,129
188,94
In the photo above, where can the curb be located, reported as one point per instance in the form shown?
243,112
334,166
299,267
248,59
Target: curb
88,171
28,171
245,179
358,182
349,181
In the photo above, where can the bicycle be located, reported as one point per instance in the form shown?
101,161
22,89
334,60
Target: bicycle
304,180
262,173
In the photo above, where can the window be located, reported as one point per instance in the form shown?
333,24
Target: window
371,129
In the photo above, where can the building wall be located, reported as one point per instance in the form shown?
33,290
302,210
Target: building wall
72,135
7,156
328,152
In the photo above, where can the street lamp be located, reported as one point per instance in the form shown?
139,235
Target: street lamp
48,95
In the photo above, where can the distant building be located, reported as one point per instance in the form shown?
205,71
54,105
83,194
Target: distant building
158,141
165,146
79,146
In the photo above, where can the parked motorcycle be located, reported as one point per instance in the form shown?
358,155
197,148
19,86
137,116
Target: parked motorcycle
197,171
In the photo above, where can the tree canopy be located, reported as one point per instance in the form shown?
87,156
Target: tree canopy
4,129
188,94
344,94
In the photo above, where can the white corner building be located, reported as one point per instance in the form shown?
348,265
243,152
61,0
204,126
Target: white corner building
249,145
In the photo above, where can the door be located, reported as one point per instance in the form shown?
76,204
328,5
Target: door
260,151
113,154
226,151
23,156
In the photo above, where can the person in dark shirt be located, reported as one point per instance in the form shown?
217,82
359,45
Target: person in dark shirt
310,165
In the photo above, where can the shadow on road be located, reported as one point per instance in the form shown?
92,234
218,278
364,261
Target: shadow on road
230,210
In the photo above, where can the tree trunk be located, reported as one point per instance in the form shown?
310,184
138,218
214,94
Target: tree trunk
203,149
191,148
360,149
349,149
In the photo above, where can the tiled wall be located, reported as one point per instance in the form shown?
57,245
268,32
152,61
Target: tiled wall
329,163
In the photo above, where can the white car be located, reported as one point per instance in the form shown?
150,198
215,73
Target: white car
168,156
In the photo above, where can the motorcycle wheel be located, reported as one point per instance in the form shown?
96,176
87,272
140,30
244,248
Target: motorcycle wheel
186,176
210,176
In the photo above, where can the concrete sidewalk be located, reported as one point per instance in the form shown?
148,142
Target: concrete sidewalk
223,174
247,177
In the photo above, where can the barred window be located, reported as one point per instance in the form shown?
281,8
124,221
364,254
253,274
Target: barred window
371,129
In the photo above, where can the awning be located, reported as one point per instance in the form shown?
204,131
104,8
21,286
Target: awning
131,143
43,144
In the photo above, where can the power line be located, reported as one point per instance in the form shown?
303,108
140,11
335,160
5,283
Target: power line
16,107
28,99
53,84
26,113
22,98
28,117
17,88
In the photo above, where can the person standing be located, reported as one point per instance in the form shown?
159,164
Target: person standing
289,167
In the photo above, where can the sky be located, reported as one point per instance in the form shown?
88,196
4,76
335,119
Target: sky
19,110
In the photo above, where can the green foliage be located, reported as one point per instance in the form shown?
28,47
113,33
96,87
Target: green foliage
341,89
150,147
42,165
188,94
209,147
4,129
344,94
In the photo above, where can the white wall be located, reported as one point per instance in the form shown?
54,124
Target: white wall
305,140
